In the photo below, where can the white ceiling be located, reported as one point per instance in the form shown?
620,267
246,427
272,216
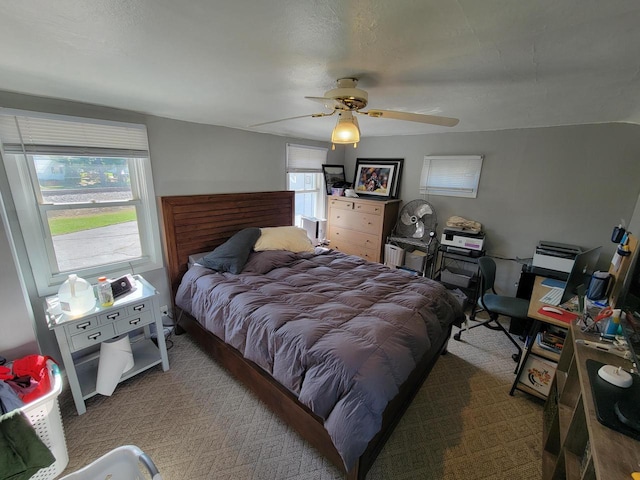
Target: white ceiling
494,64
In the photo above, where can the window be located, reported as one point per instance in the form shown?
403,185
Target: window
304,176
454,176
84,195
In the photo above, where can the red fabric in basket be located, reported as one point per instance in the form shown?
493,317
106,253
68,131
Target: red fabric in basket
36,367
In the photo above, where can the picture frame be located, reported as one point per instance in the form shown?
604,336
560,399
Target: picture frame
378,177
333,174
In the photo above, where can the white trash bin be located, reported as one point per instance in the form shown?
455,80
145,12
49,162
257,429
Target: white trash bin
126,462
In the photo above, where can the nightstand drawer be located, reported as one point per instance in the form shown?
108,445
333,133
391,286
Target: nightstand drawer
92,337
131,323
81,326
112,316
138,308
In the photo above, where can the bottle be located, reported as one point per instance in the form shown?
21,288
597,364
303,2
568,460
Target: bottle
104,292
76,296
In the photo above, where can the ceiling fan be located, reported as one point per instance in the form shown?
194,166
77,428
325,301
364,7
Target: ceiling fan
347,100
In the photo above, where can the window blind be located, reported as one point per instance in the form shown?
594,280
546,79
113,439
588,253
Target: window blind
302,158
457,176
58,134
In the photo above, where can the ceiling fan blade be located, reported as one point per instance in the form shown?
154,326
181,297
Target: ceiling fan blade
326,101
413,117
313,115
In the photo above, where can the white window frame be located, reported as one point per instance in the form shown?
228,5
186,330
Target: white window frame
32,212
308,159
451,175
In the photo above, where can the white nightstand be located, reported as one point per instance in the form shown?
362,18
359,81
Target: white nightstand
130,313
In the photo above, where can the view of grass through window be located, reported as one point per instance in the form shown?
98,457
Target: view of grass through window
71,223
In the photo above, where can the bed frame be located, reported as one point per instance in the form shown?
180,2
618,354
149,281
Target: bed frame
199,223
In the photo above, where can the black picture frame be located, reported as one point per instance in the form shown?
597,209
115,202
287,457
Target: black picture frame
333,174
378,177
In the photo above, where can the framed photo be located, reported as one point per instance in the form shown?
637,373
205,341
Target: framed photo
378,177
333,174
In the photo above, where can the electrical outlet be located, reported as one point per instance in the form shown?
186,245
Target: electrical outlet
164,310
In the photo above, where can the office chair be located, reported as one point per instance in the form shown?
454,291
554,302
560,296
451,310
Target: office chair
495,304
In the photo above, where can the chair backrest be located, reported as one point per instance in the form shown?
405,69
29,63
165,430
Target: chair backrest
487,273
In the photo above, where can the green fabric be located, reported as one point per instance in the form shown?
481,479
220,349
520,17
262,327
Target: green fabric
22,453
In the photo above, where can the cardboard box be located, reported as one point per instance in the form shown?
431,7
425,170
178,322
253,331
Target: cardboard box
538,374
457,277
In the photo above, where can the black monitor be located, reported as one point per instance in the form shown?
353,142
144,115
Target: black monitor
583,266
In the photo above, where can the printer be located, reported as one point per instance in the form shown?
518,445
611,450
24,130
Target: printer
554,259
462,241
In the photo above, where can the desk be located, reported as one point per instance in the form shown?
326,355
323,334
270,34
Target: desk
575,445
547,357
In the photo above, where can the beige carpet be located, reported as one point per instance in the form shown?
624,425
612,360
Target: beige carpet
196,422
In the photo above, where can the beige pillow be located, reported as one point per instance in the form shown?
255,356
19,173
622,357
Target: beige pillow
293,239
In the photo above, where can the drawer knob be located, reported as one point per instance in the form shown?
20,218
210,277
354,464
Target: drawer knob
137,308
113,315
135,321
83,326
93,336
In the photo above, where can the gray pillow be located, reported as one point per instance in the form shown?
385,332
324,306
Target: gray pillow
232,254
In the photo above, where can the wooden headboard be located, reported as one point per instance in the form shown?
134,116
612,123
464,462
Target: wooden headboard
199,223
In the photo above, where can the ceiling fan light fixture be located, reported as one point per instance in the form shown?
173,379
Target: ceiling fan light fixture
346,130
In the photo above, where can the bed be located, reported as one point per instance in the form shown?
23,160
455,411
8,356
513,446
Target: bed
335,345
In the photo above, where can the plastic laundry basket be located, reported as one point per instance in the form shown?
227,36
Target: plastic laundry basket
126,462
44,415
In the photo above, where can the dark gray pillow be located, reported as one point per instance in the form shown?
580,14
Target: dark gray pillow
232,254
264,262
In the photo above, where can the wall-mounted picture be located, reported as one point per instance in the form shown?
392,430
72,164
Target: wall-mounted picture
333,177
378,177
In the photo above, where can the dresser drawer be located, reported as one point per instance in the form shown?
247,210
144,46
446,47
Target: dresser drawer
359,222
372,255
368,208
127,324
340,204
92,337
344,235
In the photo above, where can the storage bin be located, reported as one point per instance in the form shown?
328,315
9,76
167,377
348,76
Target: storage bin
123,463
460,296
44,415
415,260
457,277
393,255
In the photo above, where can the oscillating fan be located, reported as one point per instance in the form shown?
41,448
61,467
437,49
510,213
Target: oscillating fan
417,220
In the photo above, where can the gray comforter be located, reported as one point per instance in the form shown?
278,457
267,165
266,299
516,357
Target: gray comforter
340,333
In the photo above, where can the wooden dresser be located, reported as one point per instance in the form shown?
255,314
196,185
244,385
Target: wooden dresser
360,226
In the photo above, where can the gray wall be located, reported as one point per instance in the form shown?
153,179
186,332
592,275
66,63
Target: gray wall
186,158
567,184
